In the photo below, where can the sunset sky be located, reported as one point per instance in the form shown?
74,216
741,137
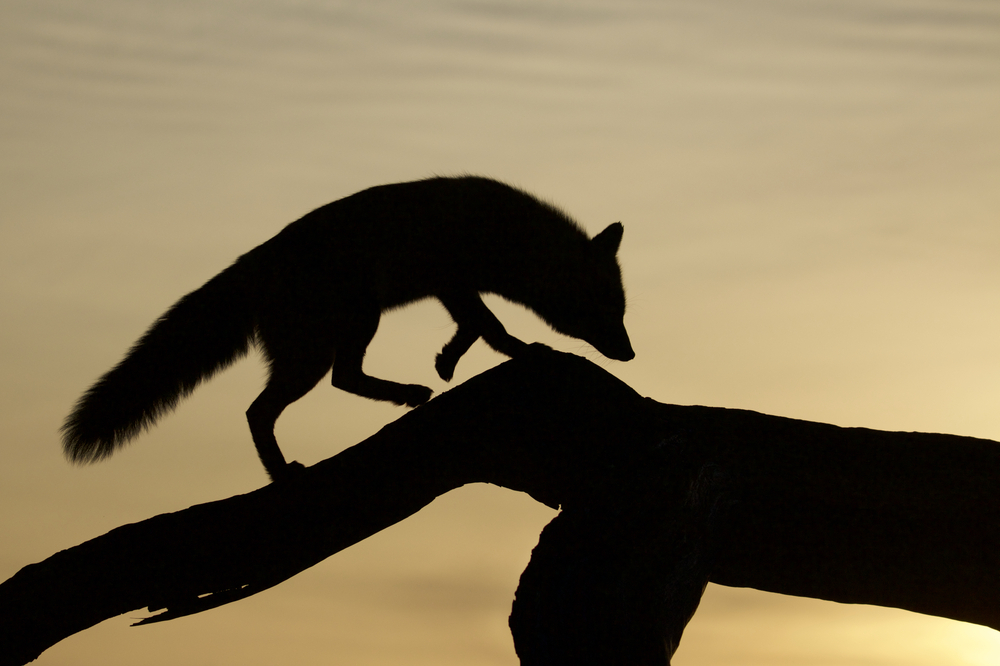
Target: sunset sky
811,200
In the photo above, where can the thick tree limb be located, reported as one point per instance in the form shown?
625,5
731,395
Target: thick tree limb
657,500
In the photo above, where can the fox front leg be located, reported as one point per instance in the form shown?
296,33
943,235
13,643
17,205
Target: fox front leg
453,350
474,320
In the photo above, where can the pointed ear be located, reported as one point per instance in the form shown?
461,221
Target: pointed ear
608,240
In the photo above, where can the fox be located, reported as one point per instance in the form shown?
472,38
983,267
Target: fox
310,300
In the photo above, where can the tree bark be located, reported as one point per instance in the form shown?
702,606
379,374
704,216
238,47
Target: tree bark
656,501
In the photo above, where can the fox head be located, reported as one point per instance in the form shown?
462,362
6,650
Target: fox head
582,294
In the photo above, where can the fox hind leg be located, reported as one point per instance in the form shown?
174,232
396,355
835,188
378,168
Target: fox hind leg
297,340
301,348
290,379
352,342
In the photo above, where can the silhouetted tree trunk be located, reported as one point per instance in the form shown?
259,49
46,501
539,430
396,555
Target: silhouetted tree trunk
656,501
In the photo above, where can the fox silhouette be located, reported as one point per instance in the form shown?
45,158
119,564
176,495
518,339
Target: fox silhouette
310,299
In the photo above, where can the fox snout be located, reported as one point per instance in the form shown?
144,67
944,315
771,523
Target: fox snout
625,353
618,349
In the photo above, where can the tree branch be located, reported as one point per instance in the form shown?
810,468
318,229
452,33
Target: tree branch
654,497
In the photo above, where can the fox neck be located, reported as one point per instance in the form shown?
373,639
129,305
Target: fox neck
530,278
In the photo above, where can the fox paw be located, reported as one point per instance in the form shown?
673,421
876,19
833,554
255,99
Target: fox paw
445,366
536,348
414,395
290,471
515,348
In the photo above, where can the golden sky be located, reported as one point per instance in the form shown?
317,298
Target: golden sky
812,229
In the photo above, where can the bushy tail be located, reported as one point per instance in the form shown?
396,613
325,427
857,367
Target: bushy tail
201,334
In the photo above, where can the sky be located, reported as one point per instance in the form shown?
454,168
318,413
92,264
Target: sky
810,198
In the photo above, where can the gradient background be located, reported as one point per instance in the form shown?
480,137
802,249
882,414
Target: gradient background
811,199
